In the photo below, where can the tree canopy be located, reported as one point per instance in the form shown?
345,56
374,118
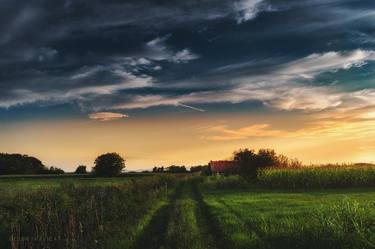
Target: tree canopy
249,161
109,164
23,164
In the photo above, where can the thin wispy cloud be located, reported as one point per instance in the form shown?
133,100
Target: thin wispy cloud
246,9
345,128
157,49
192,107
107,116
281,88
224,133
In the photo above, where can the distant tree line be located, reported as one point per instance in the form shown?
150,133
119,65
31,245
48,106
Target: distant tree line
112,164
170,169
23,164
202,169
109,164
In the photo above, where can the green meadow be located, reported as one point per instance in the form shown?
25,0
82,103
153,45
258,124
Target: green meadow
188,211
293,219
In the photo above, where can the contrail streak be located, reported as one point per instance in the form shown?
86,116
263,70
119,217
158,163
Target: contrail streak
192,107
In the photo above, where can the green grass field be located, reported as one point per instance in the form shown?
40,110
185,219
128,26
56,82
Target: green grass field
263,219
185,212
289,219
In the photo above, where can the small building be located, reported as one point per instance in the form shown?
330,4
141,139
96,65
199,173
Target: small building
224,167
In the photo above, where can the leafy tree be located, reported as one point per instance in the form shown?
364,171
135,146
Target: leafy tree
23,164
110,164
246,162
249,162
266,158
81,169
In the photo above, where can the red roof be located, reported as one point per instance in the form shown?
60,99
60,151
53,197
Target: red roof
222,166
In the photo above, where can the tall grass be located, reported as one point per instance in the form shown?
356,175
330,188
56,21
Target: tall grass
317,177
281,220
78,217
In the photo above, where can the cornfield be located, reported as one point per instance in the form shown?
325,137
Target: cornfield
317,177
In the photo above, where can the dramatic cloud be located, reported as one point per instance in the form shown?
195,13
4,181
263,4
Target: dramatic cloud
105,56
107,116
279,88
309,59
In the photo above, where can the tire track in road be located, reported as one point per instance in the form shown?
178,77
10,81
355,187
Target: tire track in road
153,236
183,223
208,221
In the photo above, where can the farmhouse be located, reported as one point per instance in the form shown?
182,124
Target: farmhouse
225,167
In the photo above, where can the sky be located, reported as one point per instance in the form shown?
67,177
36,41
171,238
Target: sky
186,82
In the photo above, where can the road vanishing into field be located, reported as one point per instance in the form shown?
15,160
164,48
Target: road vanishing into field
182,222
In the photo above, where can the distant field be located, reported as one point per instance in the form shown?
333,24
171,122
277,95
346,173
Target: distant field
290,219
34,182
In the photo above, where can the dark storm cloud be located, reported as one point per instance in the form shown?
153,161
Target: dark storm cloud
115,54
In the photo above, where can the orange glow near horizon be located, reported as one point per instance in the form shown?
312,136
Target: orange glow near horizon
190,140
